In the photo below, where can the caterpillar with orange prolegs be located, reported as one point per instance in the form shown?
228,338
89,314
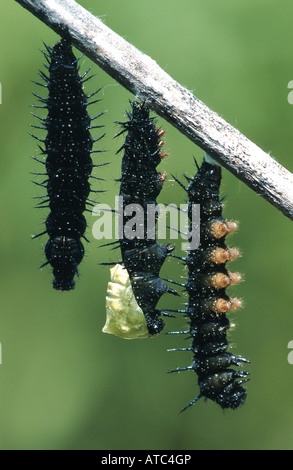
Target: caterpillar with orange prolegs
208,302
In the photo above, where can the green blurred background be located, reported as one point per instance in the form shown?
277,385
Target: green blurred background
65,384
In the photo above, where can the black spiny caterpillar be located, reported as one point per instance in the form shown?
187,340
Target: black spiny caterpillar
68,148
208,302
142,256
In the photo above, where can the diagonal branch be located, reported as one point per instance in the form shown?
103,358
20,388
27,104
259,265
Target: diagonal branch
146,80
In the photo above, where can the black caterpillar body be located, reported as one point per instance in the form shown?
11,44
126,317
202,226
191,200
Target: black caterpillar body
141,184
208,301
68,147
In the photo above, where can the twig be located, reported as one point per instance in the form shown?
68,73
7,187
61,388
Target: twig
146,80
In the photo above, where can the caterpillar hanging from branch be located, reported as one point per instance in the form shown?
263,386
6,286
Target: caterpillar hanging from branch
208,302
142,256
68,149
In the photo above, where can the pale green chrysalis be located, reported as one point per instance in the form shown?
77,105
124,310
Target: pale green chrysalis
124,317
